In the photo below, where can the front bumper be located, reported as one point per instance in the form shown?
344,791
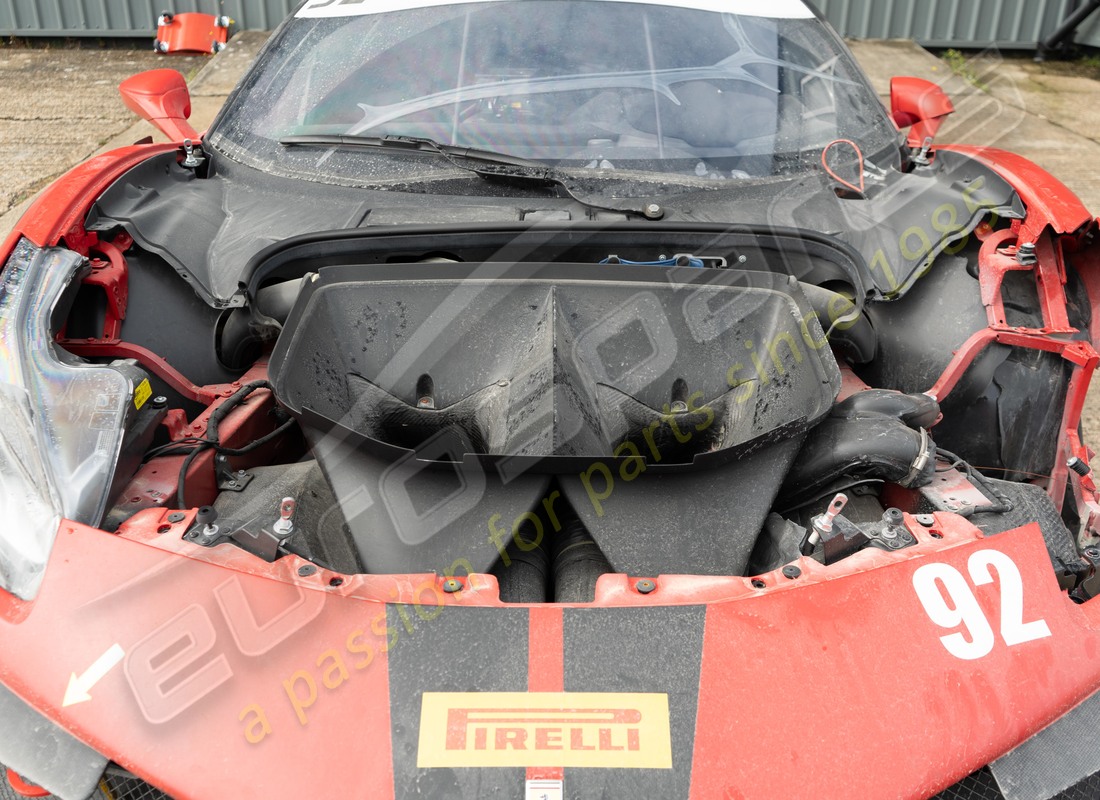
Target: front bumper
242,677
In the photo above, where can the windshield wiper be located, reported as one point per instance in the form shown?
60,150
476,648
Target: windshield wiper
484,163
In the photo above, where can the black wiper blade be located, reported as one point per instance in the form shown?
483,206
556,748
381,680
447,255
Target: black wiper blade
485,163
411,143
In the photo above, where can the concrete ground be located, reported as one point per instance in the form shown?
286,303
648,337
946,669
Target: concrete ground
59,106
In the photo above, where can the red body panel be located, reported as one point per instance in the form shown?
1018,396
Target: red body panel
191,33
838,677
1048,200
58,214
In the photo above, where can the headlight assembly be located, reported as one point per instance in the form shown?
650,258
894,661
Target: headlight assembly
61,422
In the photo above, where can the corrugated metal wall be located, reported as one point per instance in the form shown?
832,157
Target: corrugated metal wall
937,23
949,23
127,17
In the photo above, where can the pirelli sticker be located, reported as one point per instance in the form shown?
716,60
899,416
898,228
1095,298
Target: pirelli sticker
517,729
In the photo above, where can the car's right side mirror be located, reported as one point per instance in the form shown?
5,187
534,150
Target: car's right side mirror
921,106
160,97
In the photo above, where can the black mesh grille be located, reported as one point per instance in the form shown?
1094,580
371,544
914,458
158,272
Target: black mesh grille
982,786
1088,789
978,786
119,784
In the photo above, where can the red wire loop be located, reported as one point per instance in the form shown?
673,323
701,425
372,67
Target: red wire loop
859,155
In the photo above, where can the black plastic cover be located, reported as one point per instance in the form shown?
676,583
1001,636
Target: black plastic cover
665,406
548,367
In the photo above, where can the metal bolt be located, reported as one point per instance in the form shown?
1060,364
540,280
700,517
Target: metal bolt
452,585
284,526
193,157
1078,466
791,572
824,523
1092,553
654,211
1025,254
646,586
306,570
893,517
206,517
160,401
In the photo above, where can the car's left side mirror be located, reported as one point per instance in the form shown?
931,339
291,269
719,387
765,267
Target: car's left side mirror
921,106
160,97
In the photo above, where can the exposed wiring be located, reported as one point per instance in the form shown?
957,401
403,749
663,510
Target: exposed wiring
176,448
861,189
212,439
1001,505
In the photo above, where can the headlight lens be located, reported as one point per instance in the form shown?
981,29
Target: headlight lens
61,422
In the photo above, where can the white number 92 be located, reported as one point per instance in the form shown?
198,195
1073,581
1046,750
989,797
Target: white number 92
950,603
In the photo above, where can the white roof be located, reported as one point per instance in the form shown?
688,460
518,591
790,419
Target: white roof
776,9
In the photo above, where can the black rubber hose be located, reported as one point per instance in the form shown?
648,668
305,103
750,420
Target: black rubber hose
915,410
873,435
522,573
878,447
242,331
578,564
855,338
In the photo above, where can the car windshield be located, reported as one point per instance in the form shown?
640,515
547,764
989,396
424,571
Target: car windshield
602,89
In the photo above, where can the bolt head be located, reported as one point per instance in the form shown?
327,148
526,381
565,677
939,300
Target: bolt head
452,585
646,586
654,211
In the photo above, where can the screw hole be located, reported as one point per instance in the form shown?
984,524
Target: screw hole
163,528
336,582
937,535
759,584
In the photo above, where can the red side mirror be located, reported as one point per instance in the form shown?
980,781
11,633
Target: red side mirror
160,96
919,105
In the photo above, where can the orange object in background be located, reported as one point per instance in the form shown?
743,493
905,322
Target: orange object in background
191,33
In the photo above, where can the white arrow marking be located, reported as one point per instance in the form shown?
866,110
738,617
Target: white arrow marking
79,686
